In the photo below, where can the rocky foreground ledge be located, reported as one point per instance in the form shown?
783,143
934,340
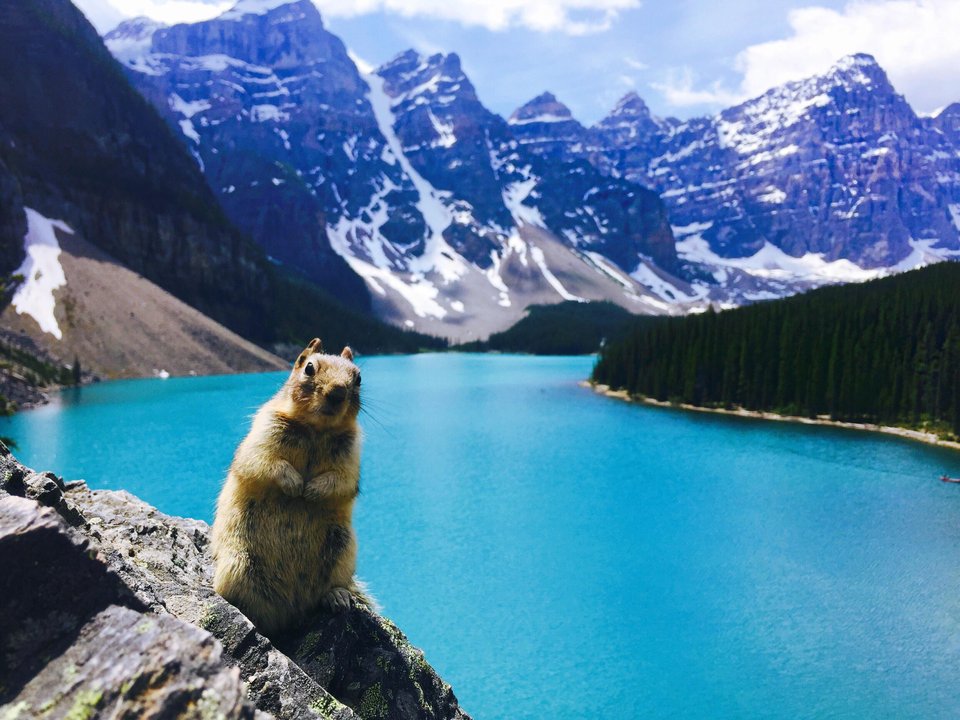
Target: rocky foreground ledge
107,610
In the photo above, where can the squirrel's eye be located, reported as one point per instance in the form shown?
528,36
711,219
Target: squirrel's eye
357,381
309,370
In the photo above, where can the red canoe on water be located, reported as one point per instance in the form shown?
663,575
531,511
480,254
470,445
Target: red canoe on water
946,478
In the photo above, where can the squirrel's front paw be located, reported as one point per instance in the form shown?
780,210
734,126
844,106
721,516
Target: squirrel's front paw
291,483
319,486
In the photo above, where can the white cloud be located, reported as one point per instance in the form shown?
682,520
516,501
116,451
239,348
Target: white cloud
915,41
105,14
574,17
636,64
101,13
678,90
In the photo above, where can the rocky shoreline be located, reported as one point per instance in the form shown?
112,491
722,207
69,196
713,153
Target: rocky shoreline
107,610
918,435
28,374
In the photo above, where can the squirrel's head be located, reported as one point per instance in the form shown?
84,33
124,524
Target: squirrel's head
325,388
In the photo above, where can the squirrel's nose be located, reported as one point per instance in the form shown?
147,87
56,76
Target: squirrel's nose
337,395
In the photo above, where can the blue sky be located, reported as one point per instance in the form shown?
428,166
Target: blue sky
684,57
655,43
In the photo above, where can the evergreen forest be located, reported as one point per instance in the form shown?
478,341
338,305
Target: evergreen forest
886,351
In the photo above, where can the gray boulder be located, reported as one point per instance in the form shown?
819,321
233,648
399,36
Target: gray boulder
106,609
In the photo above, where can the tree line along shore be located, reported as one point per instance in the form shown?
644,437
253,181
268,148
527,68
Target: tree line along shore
883,353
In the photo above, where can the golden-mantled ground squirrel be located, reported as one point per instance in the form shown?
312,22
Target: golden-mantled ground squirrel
283,543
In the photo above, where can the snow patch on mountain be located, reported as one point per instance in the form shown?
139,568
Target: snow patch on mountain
131,39
268,113
772,263
186,126
381,261
955,214
493,276
438,256
518,246
608,269
537,255
513,196
923,253
765,118
550,118
41,271
445,135
774,195
648,277
187,109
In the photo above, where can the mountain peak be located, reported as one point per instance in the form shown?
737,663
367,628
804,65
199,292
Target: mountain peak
411,61
631,105
451,63
858,76
268,33
412,75
857,69
136,27
632,115
543,108
132,38
948,120
950,111
857,60
259,7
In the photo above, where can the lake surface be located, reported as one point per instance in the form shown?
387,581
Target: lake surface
558,554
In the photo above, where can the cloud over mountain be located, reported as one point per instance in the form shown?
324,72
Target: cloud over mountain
574,17
914,40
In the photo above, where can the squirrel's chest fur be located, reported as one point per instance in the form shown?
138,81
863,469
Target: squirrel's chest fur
277,555
312,452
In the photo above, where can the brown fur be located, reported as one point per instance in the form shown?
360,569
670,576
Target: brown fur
283,541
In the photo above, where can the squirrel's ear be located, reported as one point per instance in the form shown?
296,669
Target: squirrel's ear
347,353
314,346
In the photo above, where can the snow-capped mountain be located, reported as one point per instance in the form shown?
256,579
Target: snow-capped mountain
402,175
113,249
833,178
457,219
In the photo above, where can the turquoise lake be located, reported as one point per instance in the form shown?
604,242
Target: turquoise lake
558,554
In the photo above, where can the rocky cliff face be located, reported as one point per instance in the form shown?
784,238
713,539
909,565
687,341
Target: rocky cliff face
242,91
84,147
837,166
106,609
830,179
458,219
13,220
85,156
401,173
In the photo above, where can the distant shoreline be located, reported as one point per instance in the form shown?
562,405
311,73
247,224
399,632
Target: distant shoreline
918,435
